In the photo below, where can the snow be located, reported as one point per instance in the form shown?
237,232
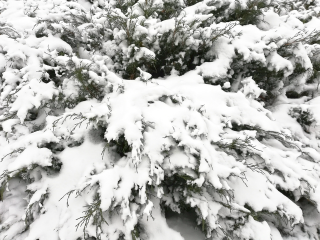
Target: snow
206,145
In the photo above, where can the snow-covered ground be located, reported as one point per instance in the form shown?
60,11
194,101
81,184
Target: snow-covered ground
96,144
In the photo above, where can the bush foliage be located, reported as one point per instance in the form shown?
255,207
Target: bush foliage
114,114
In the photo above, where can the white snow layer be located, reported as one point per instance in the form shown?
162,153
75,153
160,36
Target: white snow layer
174,126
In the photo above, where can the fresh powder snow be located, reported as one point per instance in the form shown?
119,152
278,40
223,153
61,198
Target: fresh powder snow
159,119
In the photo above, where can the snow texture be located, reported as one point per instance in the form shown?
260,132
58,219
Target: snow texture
96,144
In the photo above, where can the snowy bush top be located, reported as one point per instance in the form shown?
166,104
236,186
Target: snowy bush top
116,115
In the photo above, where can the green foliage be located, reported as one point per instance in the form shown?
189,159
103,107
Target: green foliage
295,95
286,193
173,49
53,146
125,5
238,146
87,88
303,117
135,233
261,134
71,36
265,78
94,214
120,145
171,9
41,32
191,2
249,14
180,185
149,8
174,52
61,102
3,188
6,176
34,209
55,167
